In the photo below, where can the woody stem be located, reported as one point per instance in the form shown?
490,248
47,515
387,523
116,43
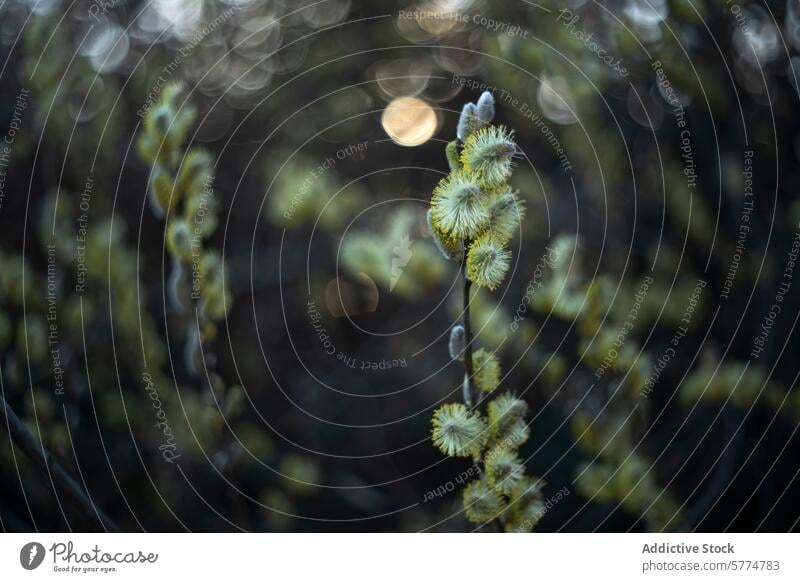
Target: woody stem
467,330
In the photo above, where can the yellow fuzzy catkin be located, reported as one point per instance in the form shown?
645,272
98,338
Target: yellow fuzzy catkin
486,369
481,502
504,469
458,207
488,261
451,246
504,412
487,156
506,212
457,432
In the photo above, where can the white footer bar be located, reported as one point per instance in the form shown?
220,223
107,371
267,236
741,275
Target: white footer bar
401,557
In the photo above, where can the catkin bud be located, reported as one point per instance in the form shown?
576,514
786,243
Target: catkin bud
488,261
453,159
179,239
195,172
458,431
163,196
450,246
482,503
457,342
159,120
488,156
459,207
467,122
486,108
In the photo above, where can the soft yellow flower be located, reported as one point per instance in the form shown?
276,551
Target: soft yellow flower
486,369
458,207
452,247
504,412
487,155
504,469
468,122
487,262
457,431
481,502
526,503
506,212
179,239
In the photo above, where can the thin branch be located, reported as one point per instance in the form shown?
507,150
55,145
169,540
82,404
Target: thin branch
47,464
467,330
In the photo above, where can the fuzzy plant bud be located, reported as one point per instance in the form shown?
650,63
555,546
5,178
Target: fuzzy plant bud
481,502
488,261
452,247
527,490
526,504
195,172
515,435
504,412
457,342
467,122
148,147
217,301
504,470
486,369
217,297
162,193
453,159
166,124
158,120
487,156
179,239
201,209
211,266
506,212
458,207
457,432
486,108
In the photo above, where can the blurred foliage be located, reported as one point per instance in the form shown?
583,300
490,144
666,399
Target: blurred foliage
298,380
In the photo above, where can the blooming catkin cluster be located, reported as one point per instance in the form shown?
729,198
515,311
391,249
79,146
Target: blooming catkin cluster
503,491
181,190
474,211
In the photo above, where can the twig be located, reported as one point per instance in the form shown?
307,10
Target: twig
467,330
47,464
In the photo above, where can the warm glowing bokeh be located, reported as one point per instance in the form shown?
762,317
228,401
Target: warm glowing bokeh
409,121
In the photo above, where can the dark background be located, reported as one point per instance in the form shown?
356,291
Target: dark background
264,443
